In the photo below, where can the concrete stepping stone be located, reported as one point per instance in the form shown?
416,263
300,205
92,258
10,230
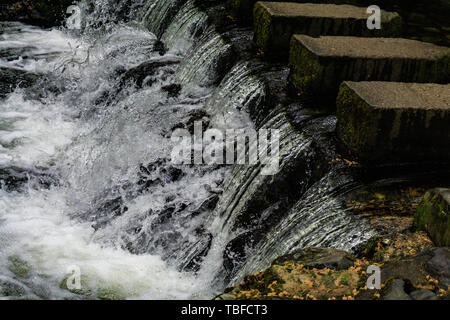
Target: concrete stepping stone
243,9
384,122
276,22
319,65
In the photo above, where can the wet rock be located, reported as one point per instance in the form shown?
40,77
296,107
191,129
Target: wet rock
107,211
426,270
19,267
14,178
423,294
12,78
196,253
160,47
110,294
11,289
225,297
171,174
44,13
319,258
303,275
433,216
38,86
159,172
237,250
173,90
93,288
142,74
396,291
410,268
193,116
439,266
84,289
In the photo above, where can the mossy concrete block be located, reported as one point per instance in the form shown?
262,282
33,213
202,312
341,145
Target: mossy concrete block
437,9
319,65
433,216
242,9
276,22
385,122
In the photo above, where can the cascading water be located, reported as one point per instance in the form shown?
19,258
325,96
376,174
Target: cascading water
85,156
318,219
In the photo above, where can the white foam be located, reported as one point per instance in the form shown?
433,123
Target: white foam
36,227
36,131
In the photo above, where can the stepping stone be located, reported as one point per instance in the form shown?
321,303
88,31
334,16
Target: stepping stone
319,65
243,9
386,122
276,22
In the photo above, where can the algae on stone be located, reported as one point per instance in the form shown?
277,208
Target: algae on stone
433,216
19,267
320,65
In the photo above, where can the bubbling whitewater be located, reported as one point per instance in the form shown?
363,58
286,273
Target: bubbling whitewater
85,154
92,150
36,222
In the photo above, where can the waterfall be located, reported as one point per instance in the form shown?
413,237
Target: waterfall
157,15
318,219
87,173
189,22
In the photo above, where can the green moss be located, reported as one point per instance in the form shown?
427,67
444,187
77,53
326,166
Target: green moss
433,216
262,281
263,28
19,267
347,126
369,249
328,280
269,277
111,293
9,289
83,291
345,279
307,71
